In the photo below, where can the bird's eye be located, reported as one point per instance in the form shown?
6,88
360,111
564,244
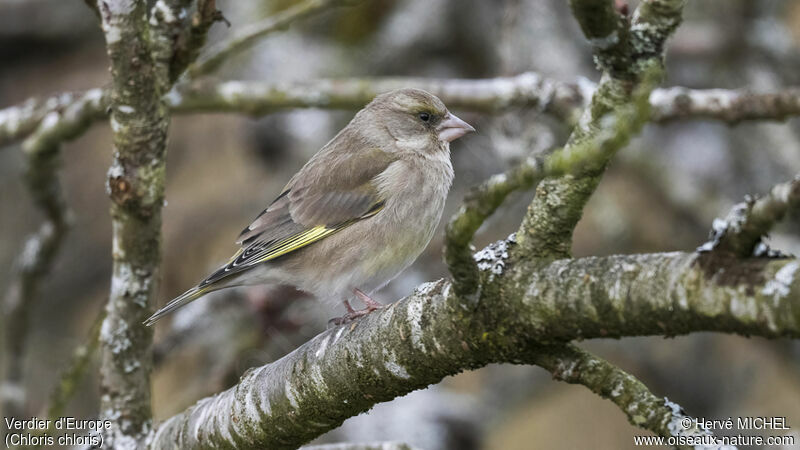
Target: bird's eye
423,116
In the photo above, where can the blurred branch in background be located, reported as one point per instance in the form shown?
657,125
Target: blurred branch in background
76,370
72,376
727,105
42,151
248,35
559,99
19,121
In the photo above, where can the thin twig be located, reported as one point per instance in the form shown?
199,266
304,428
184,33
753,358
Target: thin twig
70,379
249,34
574,365
480,203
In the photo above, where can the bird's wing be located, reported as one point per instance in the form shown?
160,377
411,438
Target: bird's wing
334,190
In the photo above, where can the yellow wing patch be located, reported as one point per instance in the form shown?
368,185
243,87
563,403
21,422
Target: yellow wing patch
300,240
297,241
259,252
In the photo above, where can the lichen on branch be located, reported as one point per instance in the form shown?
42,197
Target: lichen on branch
530,90
742,230
433,333
139,121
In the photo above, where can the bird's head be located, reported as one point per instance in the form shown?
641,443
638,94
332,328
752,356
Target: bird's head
416,120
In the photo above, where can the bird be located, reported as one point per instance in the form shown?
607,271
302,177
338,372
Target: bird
358,213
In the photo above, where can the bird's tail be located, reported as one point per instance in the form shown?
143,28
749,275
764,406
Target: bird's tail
221,278
183,299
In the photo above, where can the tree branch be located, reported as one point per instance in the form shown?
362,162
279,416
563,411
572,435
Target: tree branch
70,379
433,333
747,222
139,121
653,23
573,365
480,203
18,122
249,34
607,32
527,90
36,258
730,106
179,29
547,228
488,95
585,157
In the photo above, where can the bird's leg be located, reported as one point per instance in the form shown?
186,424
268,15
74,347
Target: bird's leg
352,314
371,305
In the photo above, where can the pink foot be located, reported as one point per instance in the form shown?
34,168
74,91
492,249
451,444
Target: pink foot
352,314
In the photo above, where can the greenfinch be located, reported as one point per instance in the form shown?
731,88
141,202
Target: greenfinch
357,214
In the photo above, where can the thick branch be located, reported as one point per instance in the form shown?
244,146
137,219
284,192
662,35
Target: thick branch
747,222
139,121
432,333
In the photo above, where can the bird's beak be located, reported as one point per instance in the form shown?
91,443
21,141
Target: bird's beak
453,128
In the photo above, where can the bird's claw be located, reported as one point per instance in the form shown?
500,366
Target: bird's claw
353,314
349,317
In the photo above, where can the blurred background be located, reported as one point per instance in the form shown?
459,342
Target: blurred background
661,193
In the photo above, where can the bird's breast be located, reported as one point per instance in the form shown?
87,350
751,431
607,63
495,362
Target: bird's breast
415,195
369,253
